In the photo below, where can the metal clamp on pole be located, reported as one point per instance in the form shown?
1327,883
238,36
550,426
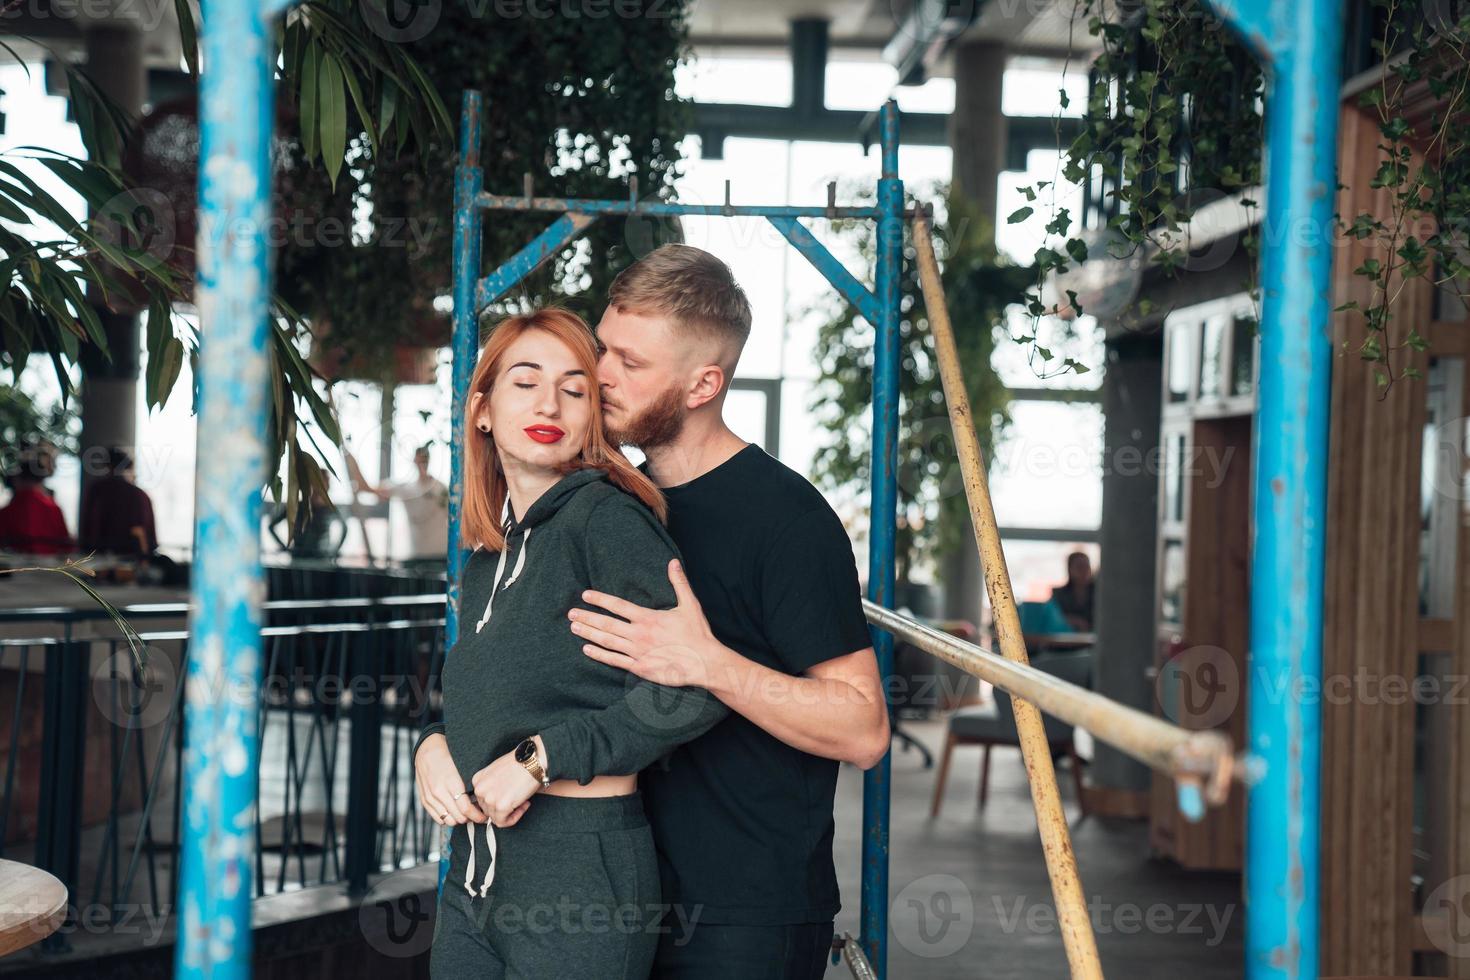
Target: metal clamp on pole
850,951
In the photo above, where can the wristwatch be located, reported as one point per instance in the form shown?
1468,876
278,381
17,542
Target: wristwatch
526,756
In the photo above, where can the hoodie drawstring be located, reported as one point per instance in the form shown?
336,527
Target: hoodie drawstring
469,873
500,569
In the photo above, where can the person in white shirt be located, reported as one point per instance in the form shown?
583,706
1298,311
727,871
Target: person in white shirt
425,502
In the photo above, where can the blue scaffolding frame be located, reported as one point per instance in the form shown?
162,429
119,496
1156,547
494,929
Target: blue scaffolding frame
1299,43
474,293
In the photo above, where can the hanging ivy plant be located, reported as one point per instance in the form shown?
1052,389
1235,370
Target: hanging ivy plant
1174,117
1173,120
979,285
1426,171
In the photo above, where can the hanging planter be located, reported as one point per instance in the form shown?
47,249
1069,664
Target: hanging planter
400,364
161,162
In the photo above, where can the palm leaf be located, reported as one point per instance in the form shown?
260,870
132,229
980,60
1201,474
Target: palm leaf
136,646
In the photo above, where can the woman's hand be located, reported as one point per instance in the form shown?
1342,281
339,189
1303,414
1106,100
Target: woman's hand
441,792
504,789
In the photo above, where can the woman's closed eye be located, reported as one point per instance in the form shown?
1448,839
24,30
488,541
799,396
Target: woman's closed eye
566,391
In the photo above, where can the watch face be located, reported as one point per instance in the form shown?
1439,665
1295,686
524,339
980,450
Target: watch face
526,751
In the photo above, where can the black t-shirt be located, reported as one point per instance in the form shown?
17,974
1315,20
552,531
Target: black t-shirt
742,821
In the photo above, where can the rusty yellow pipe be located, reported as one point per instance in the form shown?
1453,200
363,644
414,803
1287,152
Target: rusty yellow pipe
1056,842
1203,757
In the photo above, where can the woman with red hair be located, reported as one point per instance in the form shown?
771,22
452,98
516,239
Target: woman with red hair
535,764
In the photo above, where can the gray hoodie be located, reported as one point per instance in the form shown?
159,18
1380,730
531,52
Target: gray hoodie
518,670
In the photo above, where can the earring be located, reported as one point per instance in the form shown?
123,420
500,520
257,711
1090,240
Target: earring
483,428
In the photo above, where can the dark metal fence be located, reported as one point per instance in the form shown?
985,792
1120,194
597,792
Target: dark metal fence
93,786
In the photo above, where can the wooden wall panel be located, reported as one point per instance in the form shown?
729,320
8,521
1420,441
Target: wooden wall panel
1216,618
1457,754
1371,610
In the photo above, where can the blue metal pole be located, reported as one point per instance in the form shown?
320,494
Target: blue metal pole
1300,45
827,264
516,268
465,349
224,664
665,209
883,519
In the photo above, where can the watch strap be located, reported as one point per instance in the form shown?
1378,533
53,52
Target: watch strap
534,767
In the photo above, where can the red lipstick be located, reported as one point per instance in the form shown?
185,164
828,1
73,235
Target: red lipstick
545,433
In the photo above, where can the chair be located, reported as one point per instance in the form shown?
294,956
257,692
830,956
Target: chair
989,725
1042,617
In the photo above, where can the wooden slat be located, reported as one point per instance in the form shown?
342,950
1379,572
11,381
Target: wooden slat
1449,338
1436,635
1457,756
1216,618
1343,494
1371,613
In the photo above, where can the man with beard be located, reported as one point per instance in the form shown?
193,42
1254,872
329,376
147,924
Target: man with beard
773,627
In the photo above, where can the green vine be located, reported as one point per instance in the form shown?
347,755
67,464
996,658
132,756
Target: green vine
1426,171
1174,117
979,286
1173,120
581,101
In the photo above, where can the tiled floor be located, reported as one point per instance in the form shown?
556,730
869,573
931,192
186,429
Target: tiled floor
969,895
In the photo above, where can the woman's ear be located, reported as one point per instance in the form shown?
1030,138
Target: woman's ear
479,411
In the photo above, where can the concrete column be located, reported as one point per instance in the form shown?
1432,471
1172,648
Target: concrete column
1125,586
977,139
110,390
977,127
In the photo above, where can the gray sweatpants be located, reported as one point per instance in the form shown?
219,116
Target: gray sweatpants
575,896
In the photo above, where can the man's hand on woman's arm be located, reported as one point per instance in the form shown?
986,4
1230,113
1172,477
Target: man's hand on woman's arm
836,709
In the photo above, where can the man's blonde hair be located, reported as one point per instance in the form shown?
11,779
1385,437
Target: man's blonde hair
692,288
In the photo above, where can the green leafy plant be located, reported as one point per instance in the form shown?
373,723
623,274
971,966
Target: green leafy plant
50,285
582,102
583,99
1174,117
76,571
23,422
979,286
1425,170
1173,120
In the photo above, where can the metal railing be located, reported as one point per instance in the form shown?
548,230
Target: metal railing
98,802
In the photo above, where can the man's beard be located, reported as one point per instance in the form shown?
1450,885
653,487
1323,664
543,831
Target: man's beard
658,425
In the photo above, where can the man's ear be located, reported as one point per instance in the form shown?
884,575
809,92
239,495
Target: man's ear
708,382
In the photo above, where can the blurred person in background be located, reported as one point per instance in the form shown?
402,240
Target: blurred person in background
1074,598
117,514
425,502
32,523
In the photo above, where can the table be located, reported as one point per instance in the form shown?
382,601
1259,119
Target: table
1059,641
32,905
